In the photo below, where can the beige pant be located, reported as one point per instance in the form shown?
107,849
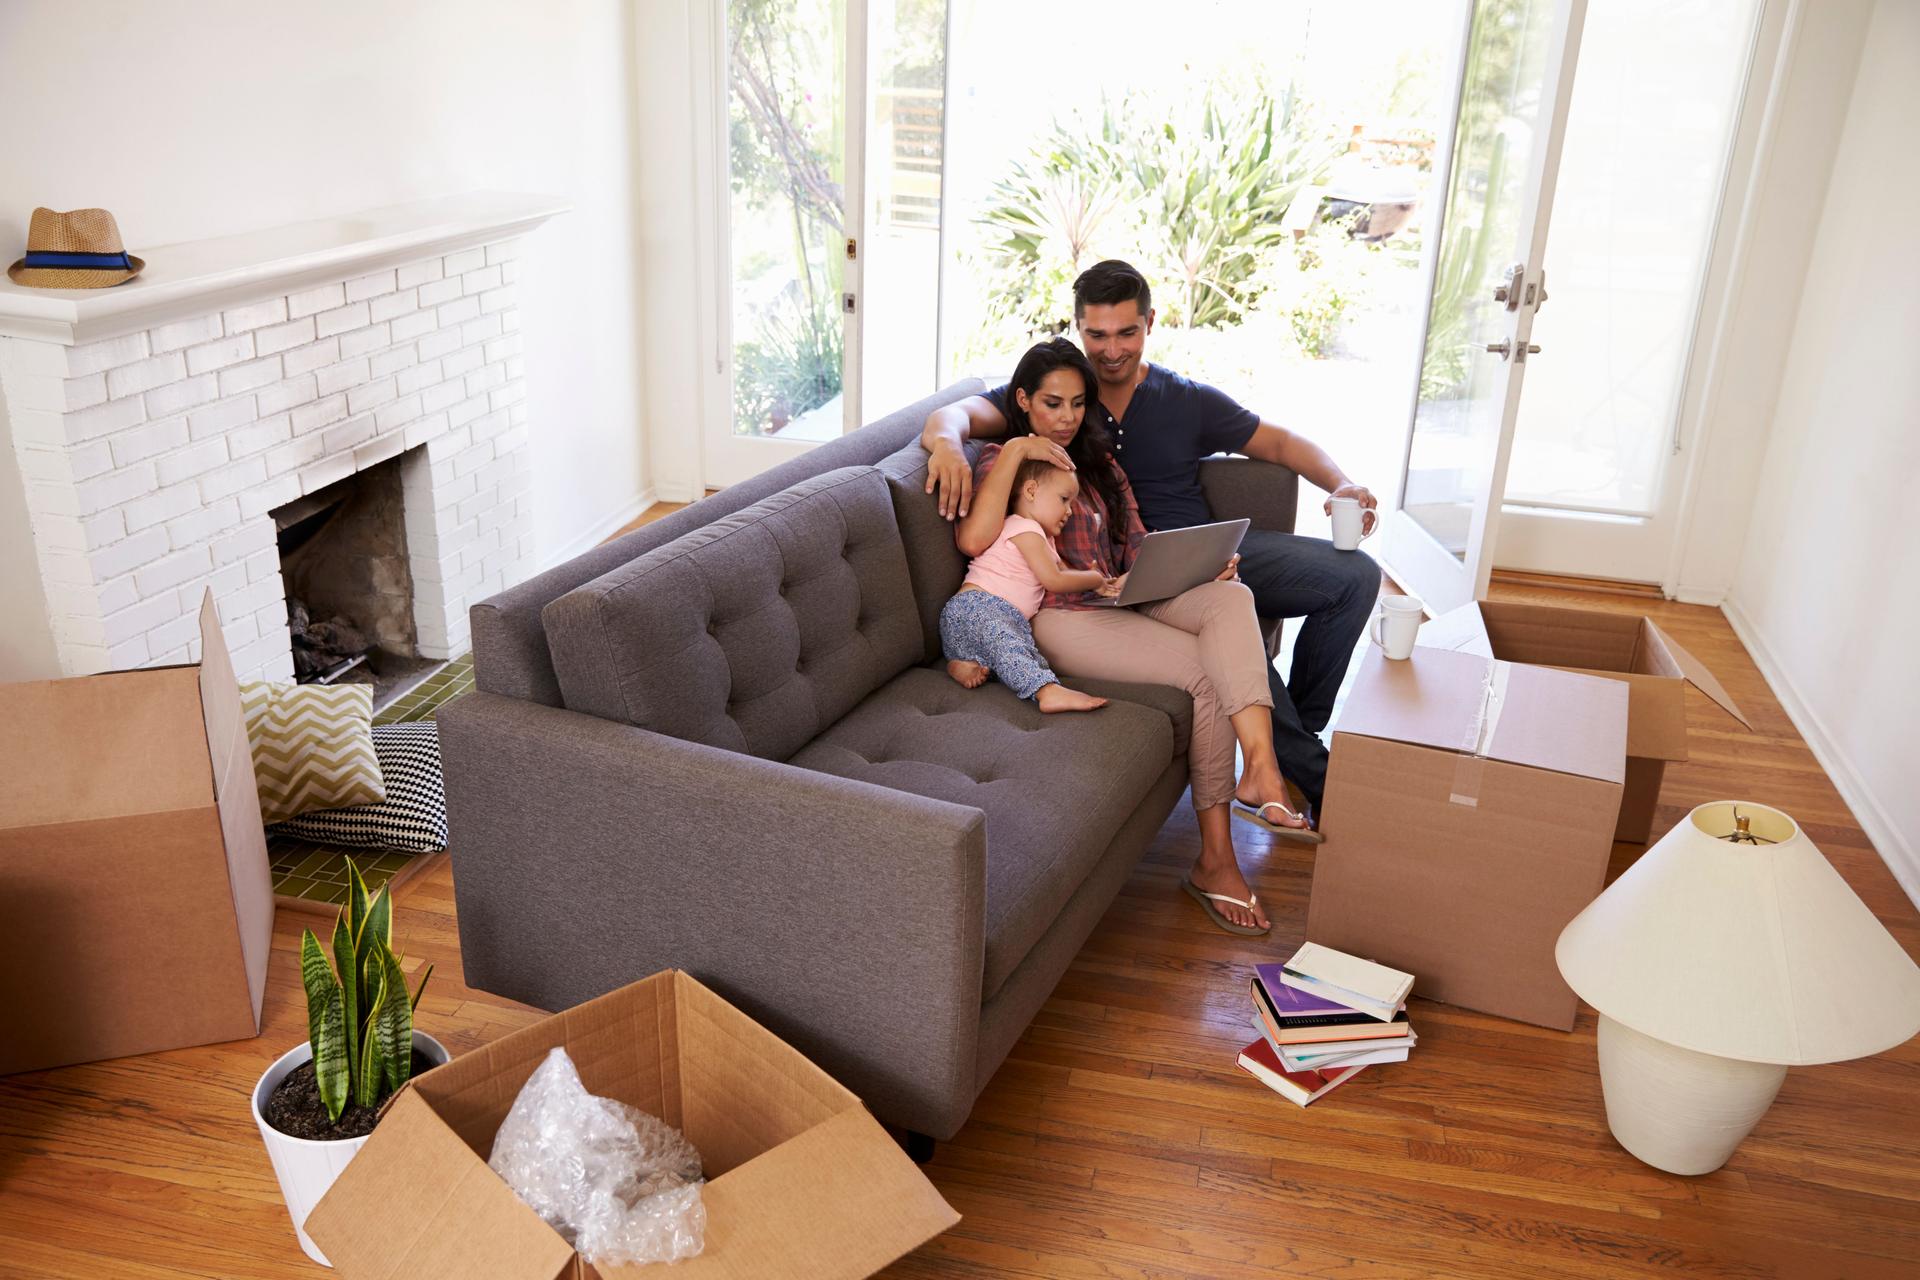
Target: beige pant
1206,641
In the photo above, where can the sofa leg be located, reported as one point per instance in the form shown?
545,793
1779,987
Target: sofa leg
919,1147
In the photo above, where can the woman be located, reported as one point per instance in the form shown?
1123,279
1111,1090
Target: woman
1206,640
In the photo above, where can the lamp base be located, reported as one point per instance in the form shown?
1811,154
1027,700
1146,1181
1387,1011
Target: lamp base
1675,1109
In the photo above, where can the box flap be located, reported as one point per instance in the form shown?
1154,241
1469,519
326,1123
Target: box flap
1656,713
1695,672
237,795
1461,630
1550,636
837,1202
1463,703
417,1204
105,746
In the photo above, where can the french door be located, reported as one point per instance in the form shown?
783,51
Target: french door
1487,284
785,113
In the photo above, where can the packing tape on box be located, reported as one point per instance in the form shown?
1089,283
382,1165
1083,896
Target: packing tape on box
1478,738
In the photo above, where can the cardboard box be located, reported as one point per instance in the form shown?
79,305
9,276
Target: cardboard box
133,863
1620,646
1469,815
802,1182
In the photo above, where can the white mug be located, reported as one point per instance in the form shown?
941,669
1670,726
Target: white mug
1395,624
1349,518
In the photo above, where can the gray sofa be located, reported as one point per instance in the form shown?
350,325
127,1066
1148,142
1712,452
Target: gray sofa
724,743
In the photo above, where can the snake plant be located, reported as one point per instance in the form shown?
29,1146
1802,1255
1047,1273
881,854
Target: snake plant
359,1016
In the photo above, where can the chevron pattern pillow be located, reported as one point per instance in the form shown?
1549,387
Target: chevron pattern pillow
413,817
312,746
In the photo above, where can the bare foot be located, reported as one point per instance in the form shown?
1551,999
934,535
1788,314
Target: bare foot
1229,881
1057,697
970,674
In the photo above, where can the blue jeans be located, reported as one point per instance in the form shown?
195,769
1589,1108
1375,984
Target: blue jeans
1335,591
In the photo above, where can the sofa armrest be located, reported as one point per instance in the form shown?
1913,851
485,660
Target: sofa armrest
846,917
1264,492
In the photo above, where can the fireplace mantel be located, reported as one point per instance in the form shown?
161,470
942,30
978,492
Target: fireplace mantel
211,275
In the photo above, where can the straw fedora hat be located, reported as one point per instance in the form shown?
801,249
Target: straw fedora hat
76,250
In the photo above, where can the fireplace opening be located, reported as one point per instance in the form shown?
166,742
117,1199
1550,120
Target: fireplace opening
343,557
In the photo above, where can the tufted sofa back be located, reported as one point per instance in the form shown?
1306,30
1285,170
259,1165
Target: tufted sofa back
753,633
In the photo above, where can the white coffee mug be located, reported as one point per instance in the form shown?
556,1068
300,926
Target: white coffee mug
1349,518
1395,624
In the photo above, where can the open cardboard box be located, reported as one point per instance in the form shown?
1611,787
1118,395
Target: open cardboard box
1620,646
133,863
802,1182
1468,816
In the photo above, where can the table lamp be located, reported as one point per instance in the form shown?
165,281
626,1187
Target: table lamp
1729,952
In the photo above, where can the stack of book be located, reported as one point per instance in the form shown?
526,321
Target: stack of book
1323,1017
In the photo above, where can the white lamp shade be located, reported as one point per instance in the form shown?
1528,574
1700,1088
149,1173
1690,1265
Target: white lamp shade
1759,952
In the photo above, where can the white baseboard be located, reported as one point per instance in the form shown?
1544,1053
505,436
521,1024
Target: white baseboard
1712,596
601,530
677,492
1892,844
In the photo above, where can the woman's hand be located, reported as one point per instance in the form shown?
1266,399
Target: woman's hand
1112,587
1030,446
1232,572
950,479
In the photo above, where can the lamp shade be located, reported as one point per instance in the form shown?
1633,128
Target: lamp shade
1759,952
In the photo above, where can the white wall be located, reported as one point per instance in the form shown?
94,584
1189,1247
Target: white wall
1824,595
192,120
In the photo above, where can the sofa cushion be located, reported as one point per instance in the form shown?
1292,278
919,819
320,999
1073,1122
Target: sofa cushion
753,633
1054,788
933,561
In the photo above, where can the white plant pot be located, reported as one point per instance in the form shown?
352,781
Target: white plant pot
307,1168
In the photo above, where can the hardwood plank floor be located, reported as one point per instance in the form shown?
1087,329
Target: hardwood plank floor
1119,1140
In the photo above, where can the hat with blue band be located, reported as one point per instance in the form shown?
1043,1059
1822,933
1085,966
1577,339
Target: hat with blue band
80,249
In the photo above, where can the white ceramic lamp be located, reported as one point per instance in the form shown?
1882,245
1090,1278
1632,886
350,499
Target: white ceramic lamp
1716,964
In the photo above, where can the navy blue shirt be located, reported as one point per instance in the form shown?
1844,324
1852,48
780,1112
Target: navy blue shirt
1172,422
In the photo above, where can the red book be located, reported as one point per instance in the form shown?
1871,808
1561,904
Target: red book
1298,1087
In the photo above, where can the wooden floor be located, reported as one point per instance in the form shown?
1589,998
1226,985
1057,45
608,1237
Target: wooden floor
1119,1141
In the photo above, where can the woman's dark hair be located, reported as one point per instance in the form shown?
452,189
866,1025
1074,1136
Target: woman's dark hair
1091,451
1108,284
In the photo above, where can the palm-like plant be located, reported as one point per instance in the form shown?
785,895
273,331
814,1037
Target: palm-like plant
359,1016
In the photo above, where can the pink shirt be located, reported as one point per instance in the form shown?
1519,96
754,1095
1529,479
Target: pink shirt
1002,570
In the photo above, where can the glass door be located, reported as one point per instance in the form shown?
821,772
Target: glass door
1516,77
788,323
1595,480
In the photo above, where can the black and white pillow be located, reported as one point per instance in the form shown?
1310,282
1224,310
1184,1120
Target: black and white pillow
413,817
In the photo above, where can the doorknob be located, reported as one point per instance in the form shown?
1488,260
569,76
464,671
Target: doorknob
1507,290
1506,348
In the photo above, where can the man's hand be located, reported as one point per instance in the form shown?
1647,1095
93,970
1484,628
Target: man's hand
1369,516
950,479
1232,571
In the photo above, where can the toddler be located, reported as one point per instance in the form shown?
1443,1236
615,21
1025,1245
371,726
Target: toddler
986,628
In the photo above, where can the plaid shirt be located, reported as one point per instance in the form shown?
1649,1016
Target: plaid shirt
1083,544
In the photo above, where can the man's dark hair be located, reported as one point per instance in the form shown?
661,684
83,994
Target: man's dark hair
1109,283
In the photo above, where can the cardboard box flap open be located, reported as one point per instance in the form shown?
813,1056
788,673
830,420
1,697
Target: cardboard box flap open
1659,645
802,1181
1462,702
416,1203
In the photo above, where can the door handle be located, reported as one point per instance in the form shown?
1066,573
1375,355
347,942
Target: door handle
1504,349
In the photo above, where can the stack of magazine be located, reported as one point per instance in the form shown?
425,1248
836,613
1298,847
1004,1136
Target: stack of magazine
1323,1017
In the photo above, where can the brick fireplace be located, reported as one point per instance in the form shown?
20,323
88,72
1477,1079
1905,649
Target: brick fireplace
159,425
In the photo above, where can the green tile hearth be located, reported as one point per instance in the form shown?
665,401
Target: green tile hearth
318,873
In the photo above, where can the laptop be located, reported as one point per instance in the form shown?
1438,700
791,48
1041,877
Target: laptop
1176,560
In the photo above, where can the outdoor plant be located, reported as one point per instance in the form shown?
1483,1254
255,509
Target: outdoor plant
359,1016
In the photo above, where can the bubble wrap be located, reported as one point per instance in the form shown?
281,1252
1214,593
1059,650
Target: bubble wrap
622,1186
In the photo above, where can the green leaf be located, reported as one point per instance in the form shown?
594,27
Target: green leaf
366,1088
356,902
326,1026
394,1025
422,988
348,968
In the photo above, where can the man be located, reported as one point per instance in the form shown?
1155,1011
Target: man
1162,425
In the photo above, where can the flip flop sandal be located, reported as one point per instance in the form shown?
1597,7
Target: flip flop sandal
1256,814
1206,901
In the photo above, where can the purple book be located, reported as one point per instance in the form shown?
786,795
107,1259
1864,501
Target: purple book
1291,1002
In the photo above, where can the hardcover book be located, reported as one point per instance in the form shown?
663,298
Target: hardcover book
1298,1087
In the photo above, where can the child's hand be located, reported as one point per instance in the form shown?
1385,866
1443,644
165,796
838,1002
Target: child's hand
1112,587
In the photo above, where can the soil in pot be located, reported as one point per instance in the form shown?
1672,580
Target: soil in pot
295,1109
